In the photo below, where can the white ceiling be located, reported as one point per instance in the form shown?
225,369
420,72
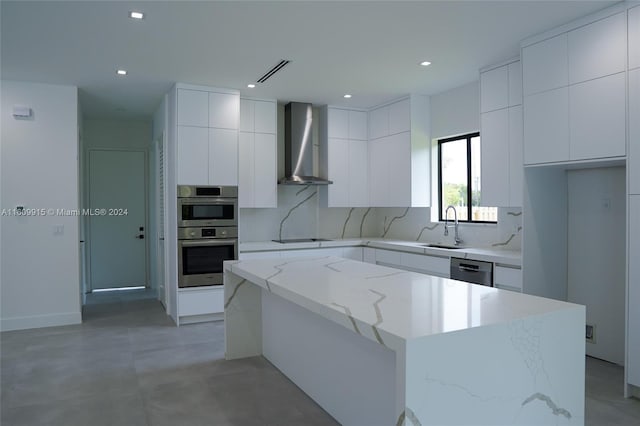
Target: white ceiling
368,49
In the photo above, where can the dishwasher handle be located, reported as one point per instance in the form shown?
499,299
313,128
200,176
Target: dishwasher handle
468,268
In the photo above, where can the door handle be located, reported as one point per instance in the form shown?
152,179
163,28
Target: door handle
140,237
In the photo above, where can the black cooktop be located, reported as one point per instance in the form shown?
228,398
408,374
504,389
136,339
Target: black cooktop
299,240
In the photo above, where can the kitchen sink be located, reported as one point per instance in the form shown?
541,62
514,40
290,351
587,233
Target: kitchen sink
442,246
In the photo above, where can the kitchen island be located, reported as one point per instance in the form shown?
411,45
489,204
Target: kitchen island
379,346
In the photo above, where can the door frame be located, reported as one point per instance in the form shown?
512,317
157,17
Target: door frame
145,153
160,144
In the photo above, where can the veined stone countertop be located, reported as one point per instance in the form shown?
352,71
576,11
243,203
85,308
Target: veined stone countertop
387,305
503,257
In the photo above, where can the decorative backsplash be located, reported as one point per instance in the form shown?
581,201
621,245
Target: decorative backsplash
299,215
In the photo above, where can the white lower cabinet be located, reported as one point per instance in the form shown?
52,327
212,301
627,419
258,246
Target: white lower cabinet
200,301
353,253
507,278
426,264
260,255
633,324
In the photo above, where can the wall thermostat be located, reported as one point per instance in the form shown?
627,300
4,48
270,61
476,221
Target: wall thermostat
21,111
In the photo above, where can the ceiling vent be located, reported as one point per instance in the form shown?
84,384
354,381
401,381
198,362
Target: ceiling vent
273,70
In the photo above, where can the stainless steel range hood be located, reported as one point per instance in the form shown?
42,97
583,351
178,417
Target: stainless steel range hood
298,146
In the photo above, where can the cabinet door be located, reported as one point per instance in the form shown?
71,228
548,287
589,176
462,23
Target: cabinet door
338,168
265,117
357,174
495,158
544,65
516,167
400,117
378,173
398,152
379,123
193,108
193,156
633,163
432,265
515,83
224,110
507,278
546,127
266,174
633,332
597,118
494,89
358,125
223,157
247,113
598,49
338,123
634,37
246,189
354,253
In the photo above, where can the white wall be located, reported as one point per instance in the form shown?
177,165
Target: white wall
597,255
456,111
39,269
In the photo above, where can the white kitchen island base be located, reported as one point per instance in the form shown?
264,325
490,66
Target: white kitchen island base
377,346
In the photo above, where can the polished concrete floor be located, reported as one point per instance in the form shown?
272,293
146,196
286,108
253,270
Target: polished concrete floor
127,365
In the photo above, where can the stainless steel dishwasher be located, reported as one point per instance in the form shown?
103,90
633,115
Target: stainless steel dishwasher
472,271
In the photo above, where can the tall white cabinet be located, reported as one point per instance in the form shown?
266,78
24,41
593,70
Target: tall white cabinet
344,154
257,152
399,153
206,135
501,132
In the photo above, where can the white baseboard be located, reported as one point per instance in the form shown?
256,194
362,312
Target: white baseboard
38,321
192,319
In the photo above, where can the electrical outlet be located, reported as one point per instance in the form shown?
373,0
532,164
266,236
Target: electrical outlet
591,333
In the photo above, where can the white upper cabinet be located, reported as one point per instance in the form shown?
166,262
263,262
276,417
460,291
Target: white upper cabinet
257,164
598,49
192,155
516,165
357,125
399,116
634,37
223,157
494,89
224,110
495,158
633,164
544,65
515,83
546,127
193,108
338,124
378,123
247,115
265,117
343,159
501,132
597,118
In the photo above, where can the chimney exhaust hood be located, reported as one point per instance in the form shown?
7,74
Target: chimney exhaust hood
298,146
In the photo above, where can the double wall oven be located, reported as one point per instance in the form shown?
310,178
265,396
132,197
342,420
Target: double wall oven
207,233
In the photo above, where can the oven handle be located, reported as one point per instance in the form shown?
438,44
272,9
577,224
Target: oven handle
207,242
189,201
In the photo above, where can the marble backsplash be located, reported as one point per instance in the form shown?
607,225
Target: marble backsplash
299,215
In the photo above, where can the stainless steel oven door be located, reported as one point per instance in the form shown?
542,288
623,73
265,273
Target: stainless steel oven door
207,212
200,261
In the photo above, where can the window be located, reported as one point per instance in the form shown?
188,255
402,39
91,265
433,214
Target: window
459,179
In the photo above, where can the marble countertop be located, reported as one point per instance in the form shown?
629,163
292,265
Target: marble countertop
384,304
504,257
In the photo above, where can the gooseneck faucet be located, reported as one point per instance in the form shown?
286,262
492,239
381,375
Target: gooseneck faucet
446,224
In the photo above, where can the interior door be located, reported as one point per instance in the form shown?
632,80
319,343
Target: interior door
117,225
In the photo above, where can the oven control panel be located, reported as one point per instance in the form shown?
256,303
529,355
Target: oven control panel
198,233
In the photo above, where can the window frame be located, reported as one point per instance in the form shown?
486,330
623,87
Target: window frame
468,137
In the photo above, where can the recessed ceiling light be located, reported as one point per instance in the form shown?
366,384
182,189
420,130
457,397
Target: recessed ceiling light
251,86
425,63
121,72
347,96
136,15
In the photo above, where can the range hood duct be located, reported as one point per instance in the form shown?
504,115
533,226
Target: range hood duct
298,146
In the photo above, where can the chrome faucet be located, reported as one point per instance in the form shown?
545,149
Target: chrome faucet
446,224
